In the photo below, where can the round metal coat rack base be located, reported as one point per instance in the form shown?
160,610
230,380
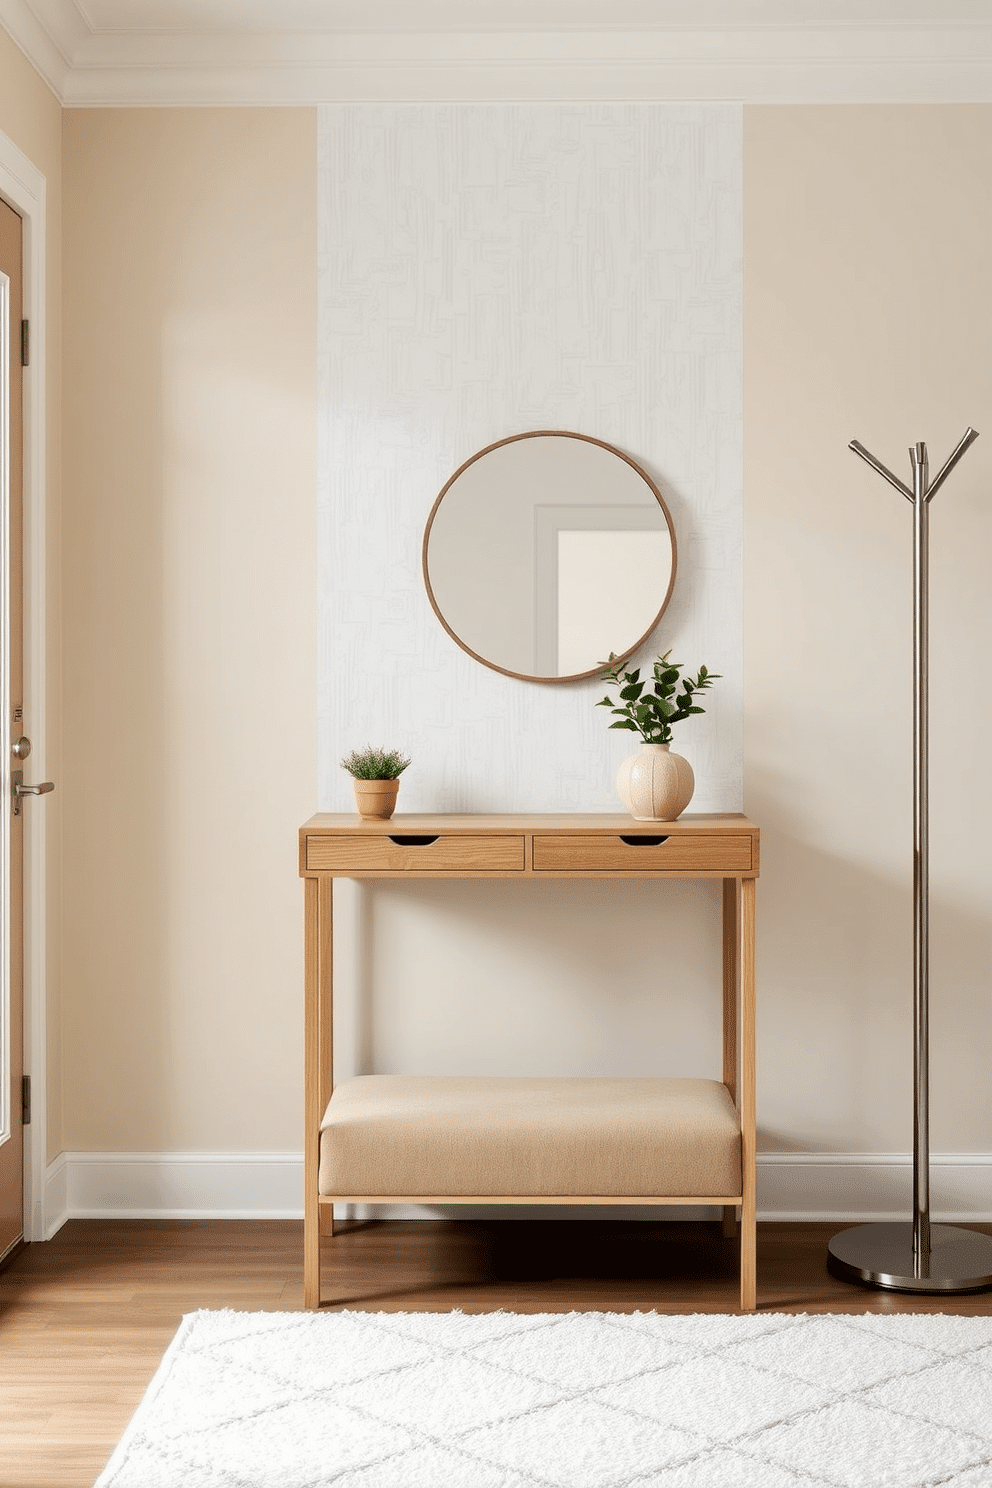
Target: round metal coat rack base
881,1255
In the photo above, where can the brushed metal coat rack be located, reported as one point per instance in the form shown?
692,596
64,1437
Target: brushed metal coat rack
917,1256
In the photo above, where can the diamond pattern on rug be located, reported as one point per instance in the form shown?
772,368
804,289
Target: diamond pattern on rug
249,1449
306,1363
977,1477
597,1352
716,1400
571,1445
578,1400
830,1348
452,1395
435,1467
462,1330
957,1395
944,1333
721,1468
853,1445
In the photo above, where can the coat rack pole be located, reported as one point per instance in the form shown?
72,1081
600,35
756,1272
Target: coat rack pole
918,1256
921,868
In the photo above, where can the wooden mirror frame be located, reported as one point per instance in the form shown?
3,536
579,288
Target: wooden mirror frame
549,434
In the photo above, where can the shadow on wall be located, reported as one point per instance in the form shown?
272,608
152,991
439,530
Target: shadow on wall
835,993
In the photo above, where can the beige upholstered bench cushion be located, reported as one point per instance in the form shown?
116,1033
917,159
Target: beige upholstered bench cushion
421,1135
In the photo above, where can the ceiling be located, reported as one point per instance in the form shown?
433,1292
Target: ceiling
158,52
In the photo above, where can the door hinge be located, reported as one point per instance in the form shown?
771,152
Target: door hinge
26,1100
25,343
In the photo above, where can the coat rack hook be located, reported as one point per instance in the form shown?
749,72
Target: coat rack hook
965,442
883,470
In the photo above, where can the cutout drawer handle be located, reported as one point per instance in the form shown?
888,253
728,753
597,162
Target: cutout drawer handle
643,841
421,840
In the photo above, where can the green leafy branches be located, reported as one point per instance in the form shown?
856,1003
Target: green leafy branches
375,764
651,712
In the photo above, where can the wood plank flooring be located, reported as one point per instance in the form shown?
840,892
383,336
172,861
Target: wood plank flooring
85,1319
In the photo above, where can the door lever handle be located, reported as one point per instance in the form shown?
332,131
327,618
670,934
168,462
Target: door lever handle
20,789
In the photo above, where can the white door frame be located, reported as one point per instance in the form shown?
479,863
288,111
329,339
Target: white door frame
23,187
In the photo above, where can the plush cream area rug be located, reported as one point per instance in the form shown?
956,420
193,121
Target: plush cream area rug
572,1400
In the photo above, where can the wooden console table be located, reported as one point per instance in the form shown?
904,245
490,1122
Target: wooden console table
525,847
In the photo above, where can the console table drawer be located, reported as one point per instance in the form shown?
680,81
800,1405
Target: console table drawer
410,853
675,854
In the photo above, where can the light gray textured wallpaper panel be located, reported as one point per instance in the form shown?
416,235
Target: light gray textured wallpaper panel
486,270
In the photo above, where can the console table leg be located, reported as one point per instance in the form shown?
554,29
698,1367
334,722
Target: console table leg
731,980
318,1067
311,1139
731,960
749,1278
746,1102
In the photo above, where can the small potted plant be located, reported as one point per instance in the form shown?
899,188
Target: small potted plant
654,784
376,780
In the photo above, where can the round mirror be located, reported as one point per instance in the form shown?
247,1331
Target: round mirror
547,551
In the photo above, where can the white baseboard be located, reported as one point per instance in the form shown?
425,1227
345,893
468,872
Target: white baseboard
174,1185
867,1186
840,1187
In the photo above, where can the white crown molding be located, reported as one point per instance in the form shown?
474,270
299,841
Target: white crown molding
304,52
37,43
314,16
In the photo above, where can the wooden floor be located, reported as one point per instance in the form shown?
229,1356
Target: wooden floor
85,1319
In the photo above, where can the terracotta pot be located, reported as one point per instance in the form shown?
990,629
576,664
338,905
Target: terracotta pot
654,784
376,799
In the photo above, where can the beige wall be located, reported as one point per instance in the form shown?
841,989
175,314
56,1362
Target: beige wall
189,623
30,114
31,117
190,627
868,301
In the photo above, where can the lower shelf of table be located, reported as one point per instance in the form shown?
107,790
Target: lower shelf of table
450,1142
479,1139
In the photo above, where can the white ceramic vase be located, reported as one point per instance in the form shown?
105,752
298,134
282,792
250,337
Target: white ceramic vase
654,784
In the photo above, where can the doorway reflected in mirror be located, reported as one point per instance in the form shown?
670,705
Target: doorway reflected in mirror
546,552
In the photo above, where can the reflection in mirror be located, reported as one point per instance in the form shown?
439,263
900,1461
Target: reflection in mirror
546,552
